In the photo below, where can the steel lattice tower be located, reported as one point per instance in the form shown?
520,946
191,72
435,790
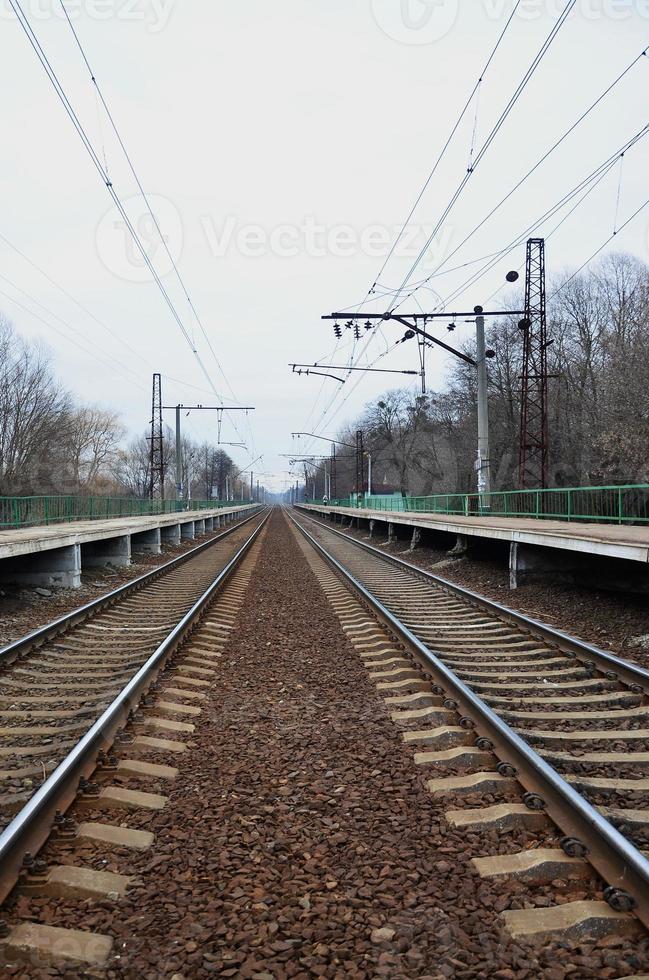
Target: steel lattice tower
156,455
533,451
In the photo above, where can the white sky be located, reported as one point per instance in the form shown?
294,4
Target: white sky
282,144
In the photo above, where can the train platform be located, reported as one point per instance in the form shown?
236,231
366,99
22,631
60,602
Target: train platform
536,546
54,555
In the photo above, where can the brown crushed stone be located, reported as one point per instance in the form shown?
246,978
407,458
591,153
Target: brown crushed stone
607,619
22,609
300,840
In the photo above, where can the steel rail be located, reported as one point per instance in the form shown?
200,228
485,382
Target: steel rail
31,827
44,633
625,670
616,860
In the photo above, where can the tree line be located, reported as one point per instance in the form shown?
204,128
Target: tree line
52,444
598,409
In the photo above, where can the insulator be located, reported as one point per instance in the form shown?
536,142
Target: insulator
368,325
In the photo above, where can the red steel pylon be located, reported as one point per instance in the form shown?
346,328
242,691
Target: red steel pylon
156,454
533,448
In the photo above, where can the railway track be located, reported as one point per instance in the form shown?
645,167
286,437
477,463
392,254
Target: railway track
504,706
68,689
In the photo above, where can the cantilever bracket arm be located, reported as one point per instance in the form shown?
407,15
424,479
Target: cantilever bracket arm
434,340
320,373
411,324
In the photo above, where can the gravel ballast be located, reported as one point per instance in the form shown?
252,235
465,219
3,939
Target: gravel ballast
300,840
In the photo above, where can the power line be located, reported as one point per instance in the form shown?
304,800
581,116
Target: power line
51,74
111,357
484,148
490,138
602,246
76,302
540,161
70,340
145,198
445,147
588,184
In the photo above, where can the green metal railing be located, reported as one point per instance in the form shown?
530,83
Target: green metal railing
628,504
31,511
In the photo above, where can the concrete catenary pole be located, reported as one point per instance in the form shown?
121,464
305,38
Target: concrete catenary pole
482,461
179,458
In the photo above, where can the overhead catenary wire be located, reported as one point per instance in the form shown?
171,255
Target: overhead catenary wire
70,340
45,63
397,302
446,144
28,30
522,85
87,143
600,248
534,168
74,300
588,183
145,198
584,188
92,351
434,169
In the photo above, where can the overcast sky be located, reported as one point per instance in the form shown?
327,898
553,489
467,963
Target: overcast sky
282,145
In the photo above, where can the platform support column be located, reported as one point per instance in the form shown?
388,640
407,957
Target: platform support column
170,534
108,551
146,542
58,568
460,547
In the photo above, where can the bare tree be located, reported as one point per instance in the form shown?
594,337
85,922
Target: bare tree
93,442
34,414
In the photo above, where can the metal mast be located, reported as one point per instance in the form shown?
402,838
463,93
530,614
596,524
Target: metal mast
533,449
360,464
333,489
156,455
